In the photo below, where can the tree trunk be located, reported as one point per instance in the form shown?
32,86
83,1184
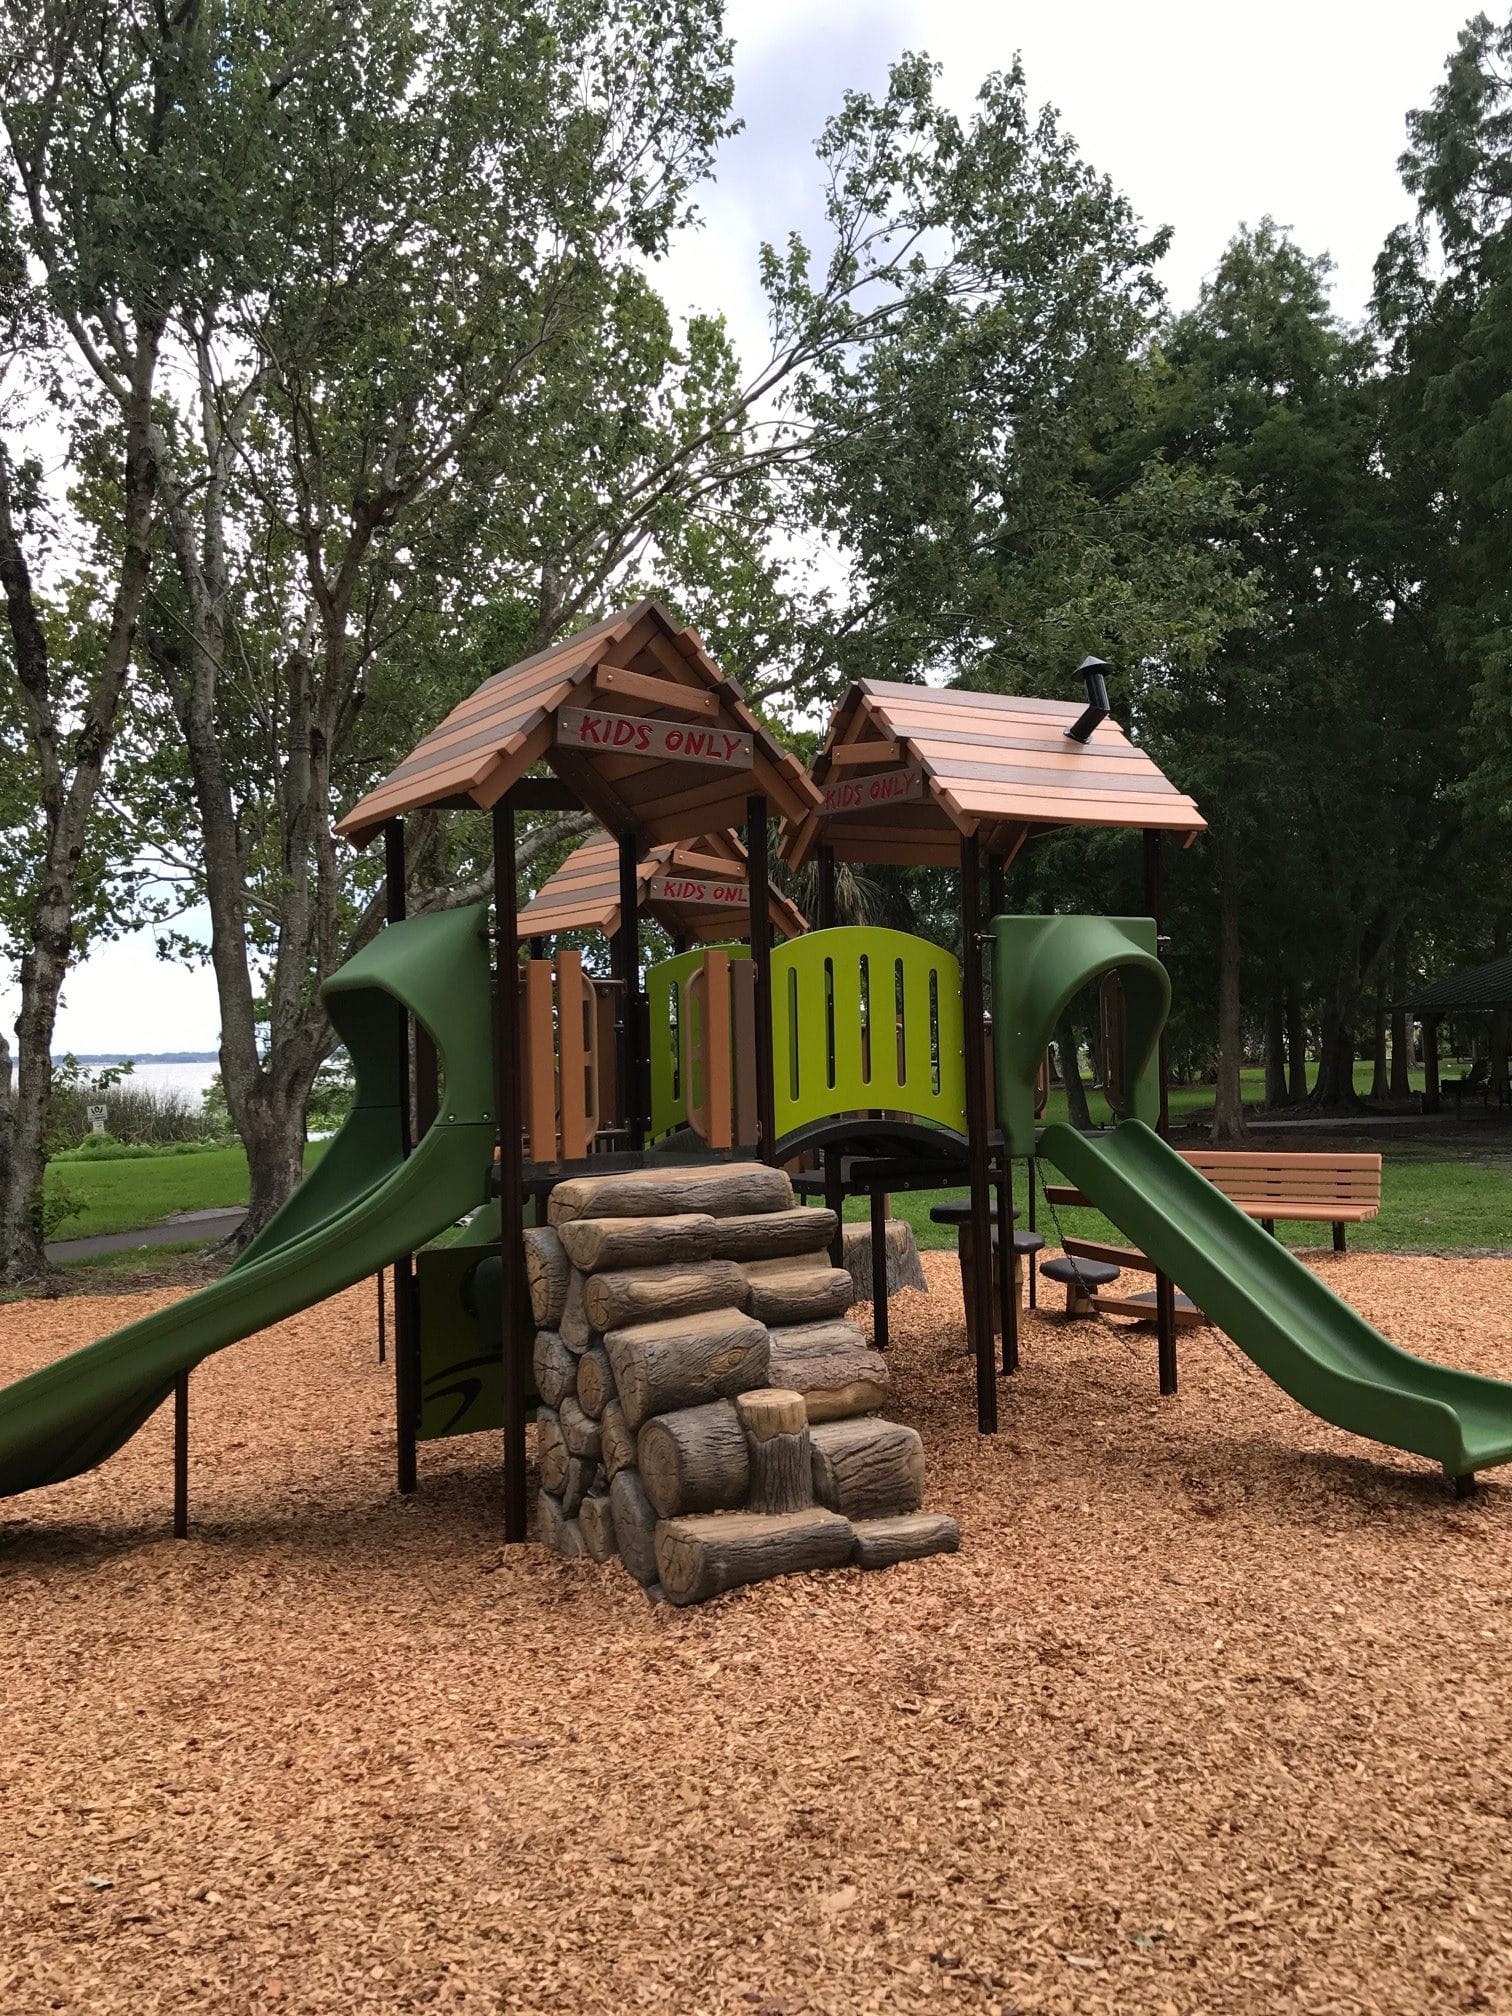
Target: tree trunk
596,1523
832,1366
868,1469
646,1294
634,1525
616,1440
1228,1099
774,1235
547,1270
56,732
1380,1076
597,1244
878,1543
694,1460
1498,1021
1076,1092
1400,1088
555,1368
805,1290
595,1380
702,1557
1296,1047
683,1362
775,1421
1275,1048
1336,1060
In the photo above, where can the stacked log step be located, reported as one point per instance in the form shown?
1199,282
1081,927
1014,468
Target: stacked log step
708,1410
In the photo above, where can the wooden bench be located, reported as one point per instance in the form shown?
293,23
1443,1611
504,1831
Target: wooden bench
1339,1190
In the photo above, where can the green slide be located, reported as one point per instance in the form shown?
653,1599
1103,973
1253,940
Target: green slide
1277,1311
362,1205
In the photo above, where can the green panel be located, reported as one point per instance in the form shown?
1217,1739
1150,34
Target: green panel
1278,1312
669,1033
363,1204
840,1043
461,1369
1039,965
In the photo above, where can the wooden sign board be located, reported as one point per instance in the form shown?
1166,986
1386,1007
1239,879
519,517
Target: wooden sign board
698,892
658,741
874,793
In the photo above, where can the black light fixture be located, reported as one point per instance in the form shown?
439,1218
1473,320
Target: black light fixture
1095,672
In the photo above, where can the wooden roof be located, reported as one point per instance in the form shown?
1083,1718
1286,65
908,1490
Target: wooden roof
683,887
910,769
689,765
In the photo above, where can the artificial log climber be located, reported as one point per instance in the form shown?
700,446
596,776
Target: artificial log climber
678,1431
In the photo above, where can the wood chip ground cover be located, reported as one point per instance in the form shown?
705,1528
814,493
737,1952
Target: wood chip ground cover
1210,1712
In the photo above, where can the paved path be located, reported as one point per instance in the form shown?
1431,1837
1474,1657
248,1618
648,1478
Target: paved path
172,1232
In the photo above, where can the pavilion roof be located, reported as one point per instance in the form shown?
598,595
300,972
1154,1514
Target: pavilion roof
1477,988
677,754
698,890
906,771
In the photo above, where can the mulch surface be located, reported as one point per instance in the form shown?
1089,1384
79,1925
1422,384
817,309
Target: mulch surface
1210,1713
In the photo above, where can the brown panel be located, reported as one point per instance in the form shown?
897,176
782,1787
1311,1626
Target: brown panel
650,740
540,1062
572,1056
880,754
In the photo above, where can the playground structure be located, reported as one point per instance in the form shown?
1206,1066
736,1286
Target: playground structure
861,1057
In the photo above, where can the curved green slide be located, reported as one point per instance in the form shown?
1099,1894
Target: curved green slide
363,1205
1278,1312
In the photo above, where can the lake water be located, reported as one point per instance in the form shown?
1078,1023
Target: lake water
193,1080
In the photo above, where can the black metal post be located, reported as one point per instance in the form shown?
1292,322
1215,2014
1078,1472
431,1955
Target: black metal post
878,1268
825,921
627,972
382,1341
979,1316
406,1339
1165,1291
1031,1171
1431,1063
1007,1296
181,1456
994,886
761,960
514,1330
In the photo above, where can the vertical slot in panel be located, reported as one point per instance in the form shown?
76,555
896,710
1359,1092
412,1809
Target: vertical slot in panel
743,1049
610,1114
900,1009
540,1062
572,1060
716,1049
934,1030
866,1020
829,1022
792,996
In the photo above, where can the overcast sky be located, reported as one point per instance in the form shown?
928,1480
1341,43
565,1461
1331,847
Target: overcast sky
1206,115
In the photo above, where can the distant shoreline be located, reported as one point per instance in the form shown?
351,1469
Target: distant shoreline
142,1057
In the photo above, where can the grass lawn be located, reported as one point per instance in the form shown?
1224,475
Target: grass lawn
119,1196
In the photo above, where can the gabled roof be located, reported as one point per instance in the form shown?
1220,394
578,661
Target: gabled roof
638,666
929,765
680,886
1477,988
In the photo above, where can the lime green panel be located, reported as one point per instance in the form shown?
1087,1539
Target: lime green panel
1278,1311
867,1020
669,1032
1039,965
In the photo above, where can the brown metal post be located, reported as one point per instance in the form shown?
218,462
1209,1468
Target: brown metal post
406,1341
627,972
514,1330
979,1315
181,1456
1165,1291
761,959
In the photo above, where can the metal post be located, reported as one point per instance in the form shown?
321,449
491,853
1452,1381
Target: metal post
1007,1297
761,959
513,1328
879,1268
994,886
627,972
382,1341
406,1341
979,1315
1165,1291
181,1456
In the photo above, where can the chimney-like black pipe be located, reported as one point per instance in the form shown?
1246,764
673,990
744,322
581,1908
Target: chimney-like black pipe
1095,672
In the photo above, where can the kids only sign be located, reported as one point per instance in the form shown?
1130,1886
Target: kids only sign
699,893
667,741
874,793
